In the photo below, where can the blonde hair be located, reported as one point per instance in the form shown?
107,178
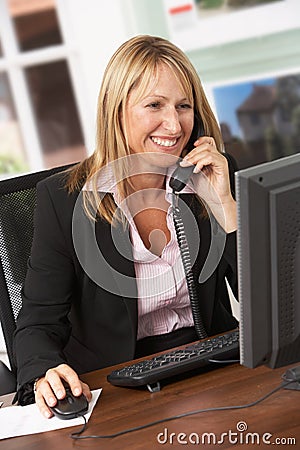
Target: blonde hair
133,65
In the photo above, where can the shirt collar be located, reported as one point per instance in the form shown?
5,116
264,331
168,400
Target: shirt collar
106,182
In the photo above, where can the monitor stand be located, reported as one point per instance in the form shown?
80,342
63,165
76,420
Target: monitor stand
293,377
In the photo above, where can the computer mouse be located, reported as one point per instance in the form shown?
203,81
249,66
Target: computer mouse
70,406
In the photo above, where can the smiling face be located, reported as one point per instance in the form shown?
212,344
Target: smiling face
161,120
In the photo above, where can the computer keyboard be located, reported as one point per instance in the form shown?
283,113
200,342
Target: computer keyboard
150,371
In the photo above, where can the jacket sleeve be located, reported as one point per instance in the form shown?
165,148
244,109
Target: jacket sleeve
43,328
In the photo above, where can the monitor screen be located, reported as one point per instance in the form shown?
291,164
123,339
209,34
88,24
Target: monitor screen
268,238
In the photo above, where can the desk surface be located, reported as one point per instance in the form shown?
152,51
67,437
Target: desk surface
277,417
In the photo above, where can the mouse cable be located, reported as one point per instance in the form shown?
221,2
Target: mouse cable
77,434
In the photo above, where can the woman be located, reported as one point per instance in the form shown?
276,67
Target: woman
105,280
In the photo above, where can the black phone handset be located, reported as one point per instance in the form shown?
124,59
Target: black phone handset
181,175
178,180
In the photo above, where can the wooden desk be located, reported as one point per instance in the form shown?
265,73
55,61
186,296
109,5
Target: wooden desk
121,408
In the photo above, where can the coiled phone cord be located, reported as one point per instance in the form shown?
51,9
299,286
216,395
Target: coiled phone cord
187,266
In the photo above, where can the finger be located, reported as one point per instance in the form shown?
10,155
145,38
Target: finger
201,151
203,158
44,397
206,157
71,378
208,140
61,376
86,391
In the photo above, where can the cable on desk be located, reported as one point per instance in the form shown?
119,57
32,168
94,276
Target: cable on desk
223,361
77,435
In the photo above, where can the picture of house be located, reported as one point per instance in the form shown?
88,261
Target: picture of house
260,120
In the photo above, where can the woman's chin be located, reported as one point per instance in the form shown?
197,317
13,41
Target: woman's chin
161,158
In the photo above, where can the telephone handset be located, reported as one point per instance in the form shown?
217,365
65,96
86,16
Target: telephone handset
181,175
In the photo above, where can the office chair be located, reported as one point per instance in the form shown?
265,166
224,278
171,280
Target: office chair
17,202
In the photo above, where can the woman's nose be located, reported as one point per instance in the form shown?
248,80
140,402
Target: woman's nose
171,121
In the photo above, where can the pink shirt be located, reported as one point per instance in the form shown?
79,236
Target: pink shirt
163,300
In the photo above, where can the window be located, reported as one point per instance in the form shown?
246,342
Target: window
35,23
12,153
41,125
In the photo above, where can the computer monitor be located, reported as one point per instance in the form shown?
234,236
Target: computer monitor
268,238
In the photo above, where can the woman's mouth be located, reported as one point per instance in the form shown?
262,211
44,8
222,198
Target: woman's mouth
164,142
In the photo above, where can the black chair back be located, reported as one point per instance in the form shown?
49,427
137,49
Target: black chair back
17,203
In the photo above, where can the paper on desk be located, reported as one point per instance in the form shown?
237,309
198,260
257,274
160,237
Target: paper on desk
22,420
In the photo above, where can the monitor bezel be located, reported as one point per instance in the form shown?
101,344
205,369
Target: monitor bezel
257,189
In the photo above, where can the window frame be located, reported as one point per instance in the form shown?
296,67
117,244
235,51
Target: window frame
14,62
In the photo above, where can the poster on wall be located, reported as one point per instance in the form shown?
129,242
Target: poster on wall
194,24
181,14
260,119
209,8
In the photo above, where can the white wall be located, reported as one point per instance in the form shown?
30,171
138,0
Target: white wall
3,354
95,29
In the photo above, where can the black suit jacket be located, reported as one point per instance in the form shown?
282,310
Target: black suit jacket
68,315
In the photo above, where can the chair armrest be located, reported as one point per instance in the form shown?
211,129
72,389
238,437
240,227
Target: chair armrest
8,382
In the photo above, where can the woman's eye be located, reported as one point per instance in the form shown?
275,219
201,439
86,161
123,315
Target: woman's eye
153,105
184,106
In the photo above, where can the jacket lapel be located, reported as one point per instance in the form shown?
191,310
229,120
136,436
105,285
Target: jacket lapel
115,248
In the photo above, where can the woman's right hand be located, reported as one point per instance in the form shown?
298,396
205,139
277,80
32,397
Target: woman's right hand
50,388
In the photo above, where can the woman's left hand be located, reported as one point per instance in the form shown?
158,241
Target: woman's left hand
211,180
